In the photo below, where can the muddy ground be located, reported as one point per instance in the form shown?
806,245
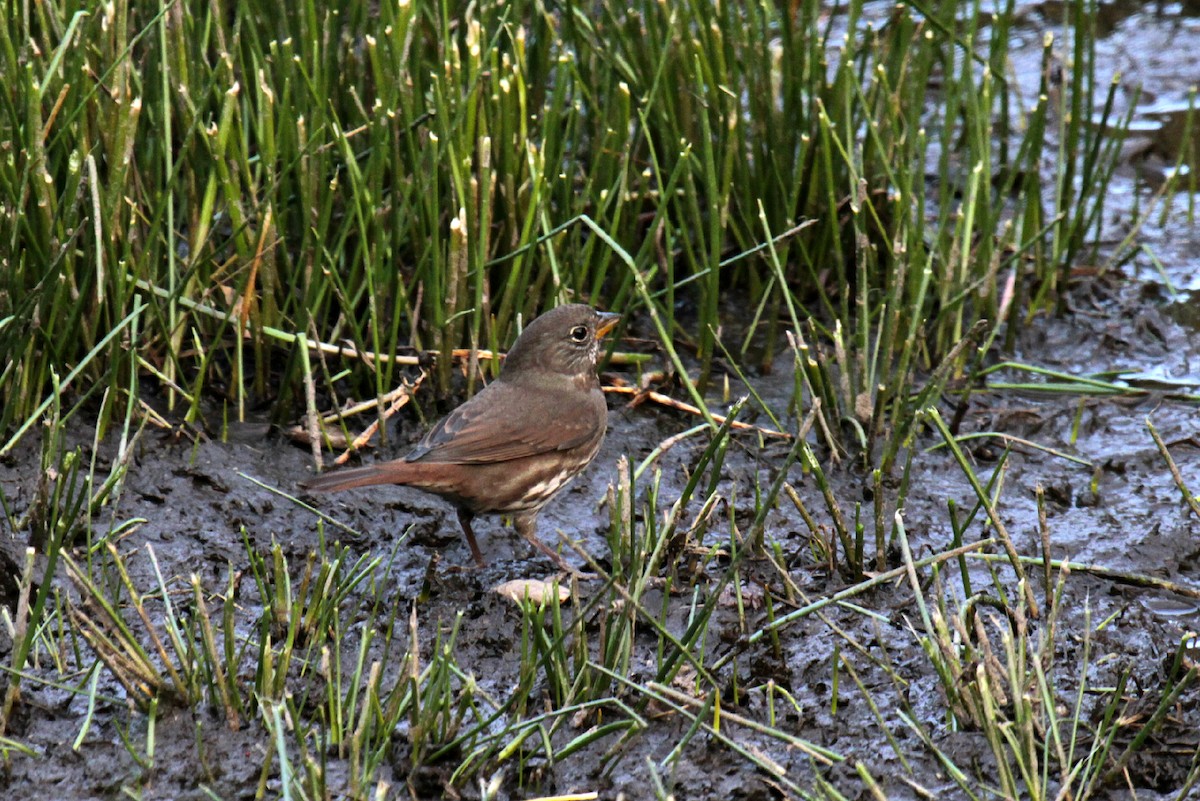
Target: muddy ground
195,497
1127,516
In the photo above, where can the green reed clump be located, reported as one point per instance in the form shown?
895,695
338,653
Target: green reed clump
413,174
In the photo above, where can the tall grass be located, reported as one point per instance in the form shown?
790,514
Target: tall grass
409,174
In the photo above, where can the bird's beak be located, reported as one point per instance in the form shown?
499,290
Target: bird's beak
607,323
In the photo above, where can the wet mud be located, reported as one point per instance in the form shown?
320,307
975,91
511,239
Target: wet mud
198,499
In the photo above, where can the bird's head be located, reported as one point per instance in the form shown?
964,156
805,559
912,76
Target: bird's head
564,340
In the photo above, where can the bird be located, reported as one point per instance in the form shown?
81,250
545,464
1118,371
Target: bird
515,444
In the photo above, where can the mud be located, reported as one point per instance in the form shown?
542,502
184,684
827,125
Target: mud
1125,514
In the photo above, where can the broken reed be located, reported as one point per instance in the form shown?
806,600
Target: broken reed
415,174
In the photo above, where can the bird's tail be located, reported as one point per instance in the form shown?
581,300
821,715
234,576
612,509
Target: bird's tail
367,476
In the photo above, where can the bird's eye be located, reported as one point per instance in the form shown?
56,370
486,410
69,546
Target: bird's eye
579,333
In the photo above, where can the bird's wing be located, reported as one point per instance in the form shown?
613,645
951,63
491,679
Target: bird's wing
500,424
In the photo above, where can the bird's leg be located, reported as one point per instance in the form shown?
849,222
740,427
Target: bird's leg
526,525
465,516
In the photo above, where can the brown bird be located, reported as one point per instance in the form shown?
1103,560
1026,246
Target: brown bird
513,446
